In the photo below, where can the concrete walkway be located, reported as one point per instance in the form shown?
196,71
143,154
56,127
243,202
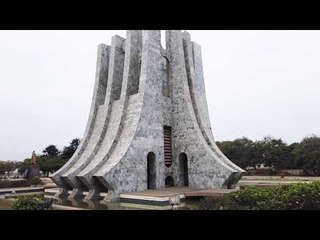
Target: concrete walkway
20,190
272,181
278,178
187,191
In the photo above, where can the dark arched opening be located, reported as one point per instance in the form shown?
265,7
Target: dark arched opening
169,181
166,77
151,170
183,162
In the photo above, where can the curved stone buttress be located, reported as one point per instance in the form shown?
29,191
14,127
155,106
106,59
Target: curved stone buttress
107,115
143,93
192,135
98,98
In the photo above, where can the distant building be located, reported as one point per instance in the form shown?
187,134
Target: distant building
259,166
260,170
293,172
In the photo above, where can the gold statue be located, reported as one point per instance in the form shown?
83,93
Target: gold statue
33,159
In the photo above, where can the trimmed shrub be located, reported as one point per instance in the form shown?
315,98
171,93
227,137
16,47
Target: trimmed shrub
14,183
304,196
31,202
36,181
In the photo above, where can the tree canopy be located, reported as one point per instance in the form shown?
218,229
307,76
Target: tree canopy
274,153
246,153
52,158
68,151
51,151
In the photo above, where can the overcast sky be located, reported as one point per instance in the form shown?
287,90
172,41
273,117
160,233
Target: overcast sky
258,83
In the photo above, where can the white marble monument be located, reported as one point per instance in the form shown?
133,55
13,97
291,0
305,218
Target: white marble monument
148,125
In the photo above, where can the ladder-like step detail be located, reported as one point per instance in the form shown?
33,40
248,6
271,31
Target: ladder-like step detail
167,146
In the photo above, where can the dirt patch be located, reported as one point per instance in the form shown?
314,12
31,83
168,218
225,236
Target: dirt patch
5,204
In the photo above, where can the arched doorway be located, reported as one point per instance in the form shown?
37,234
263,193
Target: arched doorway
151,170
183,163
169,181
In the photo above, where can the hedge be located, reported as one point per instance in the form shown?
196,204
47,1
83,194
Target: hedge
304,196
31,202
36,181
14,183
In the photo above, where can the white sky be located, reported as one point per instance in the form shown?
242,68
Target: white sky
258,83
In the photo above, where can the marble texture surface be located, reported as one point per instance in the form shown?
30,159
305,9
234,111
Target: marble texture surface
141,87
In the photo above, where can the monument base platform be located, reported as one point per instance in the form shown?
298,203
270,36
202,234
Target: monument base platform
172,196
161,198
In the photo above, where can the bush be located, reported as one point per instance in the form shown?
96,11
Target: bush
35,181
31,202
304,196
14,183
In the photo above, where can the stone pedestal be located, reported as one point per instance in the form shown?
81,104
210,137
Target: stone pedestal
33,171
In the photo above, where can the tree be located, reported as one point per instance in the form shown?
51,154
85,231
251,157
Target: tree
52,159
268,151
51,150
5,166
24,165
50,163
47,163
306,155
240,151
274,153
68,151
291,162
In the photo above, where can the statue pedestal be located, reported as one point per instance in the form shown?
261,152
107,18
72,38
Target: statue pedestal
33,171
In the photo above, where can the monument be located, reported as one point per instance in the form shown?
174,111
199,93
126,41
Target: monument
148,125
34,169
